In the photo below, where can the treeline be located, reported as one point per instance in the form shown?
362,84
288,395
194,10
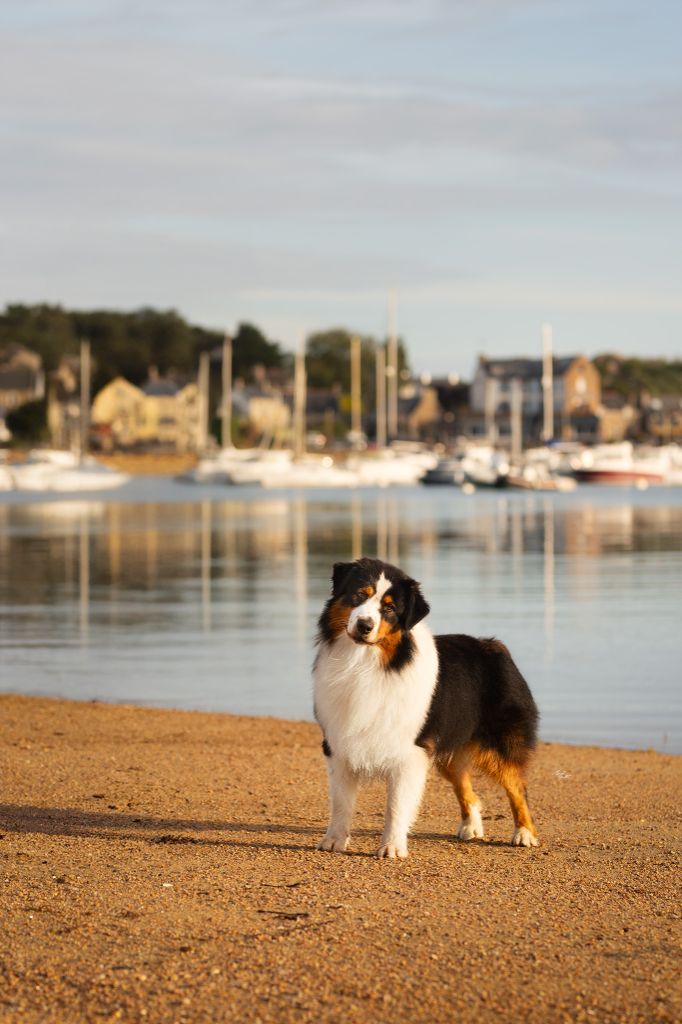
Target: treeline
637,379
127,344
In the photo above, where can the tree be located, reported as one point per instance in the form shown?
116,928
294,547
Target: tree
328,363
29,421
633,378
127,344
251,348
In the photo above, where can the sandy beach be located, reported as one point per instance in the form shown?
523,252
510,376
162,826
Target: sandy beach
161,866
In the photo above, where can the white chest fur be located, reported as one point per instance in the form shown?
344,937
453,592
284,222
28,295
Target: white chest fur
370,716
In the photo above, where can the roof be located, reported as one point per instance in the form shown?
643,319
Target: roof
525,369
160,388
18,378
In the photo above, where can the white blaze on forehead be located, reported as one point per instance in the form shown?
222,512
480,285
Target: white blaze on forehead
371,609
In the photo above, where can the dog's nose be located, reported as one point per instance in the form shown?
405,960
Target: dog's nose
364,626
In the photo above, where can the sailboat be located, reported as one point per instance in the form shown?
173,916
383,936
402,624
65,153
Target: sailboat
265,466
51,469
306,469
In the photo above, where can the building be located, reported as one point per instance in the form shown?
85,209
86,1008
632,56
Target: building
22,378
160,414
63,404
170,417
117,415
662,419
576,390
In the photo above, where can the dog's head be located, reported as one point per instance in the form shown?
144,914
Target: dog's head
374,602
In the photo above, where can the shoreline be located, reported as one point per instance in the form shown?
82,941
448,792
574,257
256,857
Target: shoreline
266,717
161,865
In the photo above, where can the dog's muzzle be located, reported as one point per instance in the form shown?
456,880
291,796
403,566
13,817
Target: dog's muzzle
362,629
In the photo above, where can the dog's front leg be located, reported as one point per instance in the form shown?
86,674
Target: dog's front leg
405,788
343,789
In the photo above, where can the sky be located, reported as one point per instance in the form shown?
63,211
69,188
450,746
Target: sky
493,164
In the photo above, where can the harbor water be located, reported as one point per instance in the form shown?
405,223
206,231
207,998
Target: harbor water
207,598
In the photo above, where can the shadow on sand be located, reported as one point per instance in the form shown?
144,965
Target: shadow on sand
70,821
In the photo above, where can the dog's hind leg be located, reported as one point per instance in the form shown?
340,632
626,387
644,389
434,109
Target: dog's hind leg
514,783
343,789
456,771
511,775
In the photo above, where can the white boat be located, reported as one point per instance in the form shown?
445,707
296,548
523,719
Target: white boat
264,469
238,466
623,463
483,466
49,469
6,478
674,455
312,471
383,467
447,472
544,469
539,478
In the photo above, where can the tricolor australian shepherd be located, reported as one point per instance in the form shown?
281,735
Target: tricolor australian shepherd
392,699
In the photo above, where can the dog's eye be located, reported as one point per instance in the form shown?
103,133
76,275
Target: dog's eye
358,597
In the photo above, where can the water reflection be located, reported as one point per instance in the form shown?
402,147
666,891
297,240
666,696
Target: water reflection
213,603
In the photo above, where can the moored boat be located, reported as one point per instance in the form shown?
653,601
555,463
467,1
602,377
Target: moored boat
622,463
48,469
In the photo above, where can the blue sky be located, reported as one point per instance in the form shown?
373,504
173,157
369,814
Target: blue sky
499,163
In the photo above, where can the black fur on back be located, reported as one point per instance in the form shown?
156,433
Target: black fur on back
481,698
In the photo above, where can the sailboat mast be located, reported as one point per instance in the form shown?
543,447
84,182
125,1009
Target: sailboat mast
85,373
490,401
516,420
226,405
299,400
381,396
392,368
547,384
355,390
202,419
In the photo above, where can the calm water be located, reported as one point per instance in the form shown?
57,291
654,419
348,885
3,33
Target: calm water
193,598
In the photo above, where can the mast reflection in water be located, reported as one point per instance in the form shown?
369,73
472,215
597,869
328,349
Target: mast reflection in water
212,602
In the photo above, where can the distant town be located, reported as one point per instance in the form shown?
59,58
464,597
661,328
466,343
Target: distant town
146,391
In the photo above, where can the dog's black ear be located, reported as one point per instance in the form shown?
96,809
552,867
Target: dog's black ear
416,606
340,574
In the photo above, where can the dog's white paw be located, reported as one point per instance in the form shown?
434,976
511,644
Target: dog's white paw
472,826
523,837
334,844
392,851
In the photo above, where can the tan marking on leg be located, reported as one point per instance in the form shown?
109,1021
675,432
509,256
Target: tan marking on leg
456,771
511,777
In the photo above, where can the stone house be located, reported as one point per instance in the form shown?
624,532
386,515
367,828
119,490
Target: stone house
576,396
662,419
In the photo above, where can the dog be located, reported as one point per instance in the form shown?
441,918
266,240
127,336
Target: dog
391,699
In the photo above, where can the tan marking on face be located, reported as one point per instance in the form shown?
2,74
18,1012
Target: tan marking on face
338,617
388,638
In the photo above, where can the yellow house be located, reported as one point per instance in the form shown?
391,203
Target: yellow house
159,413
170,415
117,413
